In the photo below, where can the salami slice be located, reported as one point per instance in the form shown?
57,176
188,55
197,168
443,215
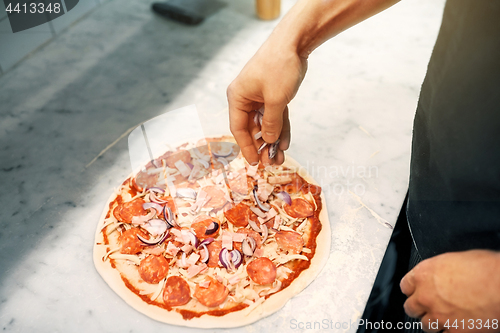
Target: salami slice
201,224
214,249
145,180
130,209
130,244
262,271
176,291
216,195
116,213
153,269
295,186
290,240
213,296
238,215
299,208
181,155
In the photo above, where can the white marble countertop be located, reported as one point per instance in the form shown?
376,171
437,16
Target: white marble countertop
75,99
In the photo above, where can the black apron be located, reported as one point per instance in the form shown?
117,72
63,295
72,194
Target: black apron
454,192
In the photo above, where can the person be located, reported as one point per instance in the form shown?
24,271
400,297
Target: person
453,204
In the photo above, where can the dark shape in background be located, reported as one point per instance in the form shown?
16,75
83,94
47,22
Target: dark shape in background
191,12
22,20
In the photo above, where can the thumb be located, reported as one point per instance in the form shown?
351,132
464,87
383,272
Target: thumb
272,122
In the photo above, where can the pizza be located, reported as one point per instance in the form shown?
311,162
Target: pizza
199,238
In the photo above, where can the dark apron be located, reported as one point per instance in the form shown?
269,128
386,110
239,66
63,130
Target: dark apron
454,193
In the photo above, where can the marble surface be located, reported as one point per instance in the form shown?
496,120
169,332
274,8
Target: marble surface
65,113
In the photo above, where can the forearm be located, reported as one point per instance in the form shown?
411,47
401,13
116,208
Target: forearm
311,22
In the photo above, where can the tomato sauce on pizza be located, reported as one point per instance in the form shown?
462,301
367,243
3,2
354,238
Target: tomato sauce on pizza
198,247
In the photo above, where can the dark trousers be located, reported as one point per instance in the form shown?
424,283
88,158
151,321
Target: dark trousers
386,299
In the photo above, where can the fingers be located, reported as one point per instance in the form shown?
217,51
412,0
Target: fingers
239,120
413,308
407,283
285,132
272,122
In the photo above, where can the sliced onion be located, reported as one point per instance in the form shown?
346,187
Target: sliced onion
206,241
186,193
258,135
183,259
190,165
265,232
156,206
169,217
204,163
273,149
212,228
283,195
155,241
254,225
155,227
236,258
261,205
156,189
256,119
246,247
224,258
192,237
206,255
155,199
200,155
223,161
262,146
252,243
223,155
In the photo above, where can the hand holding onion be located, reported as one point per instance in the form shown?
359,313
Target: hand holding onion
268,82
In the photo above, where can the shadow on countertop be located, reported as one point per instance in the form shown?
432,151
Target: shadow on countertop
63,106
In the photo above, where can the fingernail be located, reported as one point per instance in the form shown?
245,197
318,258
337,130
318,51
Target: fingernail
270,134
254,164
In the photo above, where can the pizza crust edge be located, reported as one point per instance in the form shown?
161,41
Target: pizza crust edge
234,319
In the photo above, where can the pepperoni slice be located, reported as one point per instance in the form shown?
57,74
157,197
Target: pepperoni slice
290,240
176,291
213,296
170,202
216,195
130,209
262,271
153,269
181,155
295,186
311,188
201,224
116,213
299,208
145,180
255,235
238,215
129,241
214,249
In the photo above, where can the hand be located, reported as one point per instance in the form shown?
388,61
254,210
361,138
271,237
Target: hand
455,286
270,79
